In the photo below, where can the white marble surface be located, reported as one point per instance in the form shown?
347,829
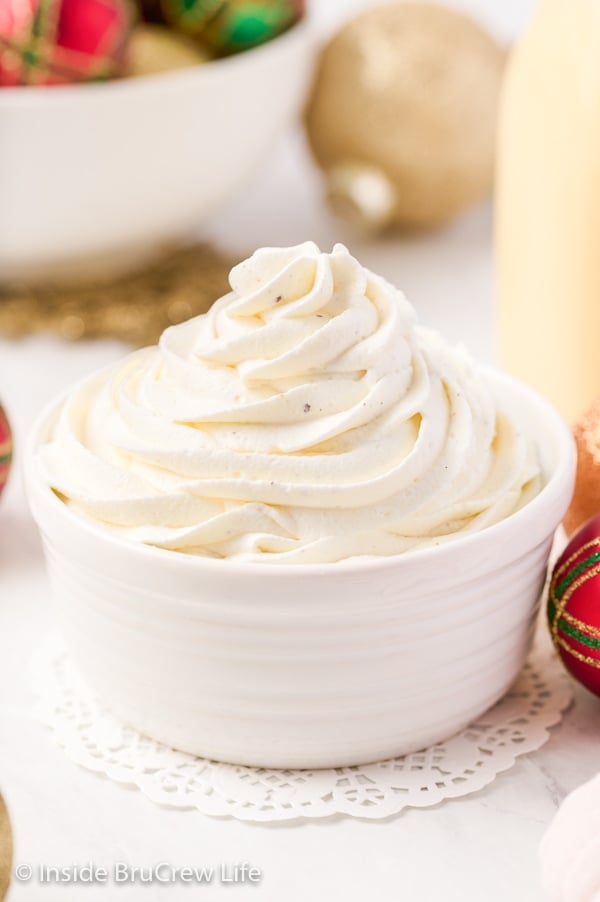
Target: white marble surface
482,847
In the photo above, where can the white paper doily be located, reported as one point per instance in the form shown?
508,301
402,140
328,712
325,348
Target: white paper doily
463,764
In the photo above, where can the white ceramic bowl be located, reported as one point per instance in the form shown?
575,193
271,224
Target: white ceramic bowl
96,176
307,665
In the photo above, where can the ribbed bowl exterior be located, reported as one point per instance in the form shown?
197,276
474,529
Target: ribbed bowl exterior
305,666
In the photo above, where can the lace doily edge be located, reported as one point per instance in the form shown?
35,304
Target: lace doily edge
213,805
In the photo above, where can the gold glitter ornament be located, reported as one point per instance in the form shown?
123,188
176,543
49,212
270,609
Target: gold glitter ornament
402,115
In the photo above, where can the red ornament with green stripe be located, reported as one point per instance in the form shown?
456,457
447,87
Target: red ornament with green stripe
574,605
6,448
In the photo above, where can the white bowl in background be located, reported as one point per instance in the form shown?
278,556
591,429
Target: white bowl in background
95,176
307,665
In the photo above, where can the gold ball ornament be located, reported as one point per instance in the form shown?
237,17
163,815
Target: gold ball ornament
155,48
6,850
402,115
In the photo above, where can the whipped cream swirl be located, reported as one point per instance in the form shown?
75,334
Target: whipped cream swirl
304,418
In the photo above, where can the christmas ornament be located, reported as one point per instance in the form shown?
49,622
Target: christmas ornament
574,605
45,42
226,26
6,850
586,497
154,48
402,114
5,448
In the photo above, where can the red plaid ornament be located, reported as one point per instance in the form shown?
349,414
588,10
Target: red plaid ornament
45,42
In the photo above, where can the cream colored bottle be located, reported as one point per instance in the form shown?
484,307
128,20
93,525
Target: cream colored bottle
548,206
